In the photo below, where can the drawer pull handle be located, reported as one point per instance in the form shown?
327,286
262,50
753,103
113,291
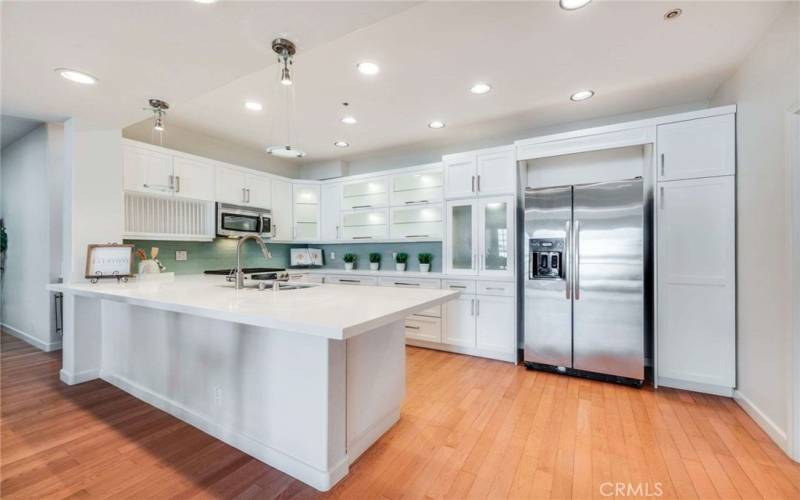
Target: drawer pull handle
362,206
412,327
405,284
495,288
417,236
349,281
362,237
417,201
457,286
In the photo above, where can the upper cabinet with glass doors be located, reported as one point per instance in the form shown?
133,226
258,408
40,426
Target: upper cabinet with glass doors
365,194
417,187
486,172
480,236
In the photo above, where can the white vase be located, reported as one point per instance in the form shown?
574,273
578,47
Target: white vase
424,268
348,266
148,266
400,267
374,266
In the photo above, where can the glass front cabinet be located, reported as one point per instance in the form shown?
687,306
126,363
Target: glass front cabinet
480,236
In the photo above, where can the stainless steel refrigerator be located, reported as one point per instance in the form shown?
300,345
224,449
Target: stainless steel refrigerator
585,276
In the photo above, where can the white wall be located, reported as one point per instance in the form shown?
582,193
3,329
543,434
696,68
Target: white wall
199,144
93,196
29,167
766,87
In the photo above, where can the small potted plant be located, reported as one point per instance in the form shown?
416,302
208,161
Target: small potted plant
400,261
425,262
374,261
350,261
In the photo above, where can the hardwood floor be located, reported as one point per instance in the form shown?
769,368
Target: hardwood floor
470,428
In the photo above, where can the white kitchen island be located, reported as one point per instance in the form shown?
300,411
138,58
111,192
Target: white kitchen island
304,380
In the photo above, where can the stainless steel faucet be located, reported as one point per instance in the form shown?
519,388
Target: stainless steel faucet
239,274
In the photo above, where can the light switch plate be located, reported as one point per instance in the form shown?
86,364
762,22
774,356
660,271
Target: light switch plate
181,255
333,255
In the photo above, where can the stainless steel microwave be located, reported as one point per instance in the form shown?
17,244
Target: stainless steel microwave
235,220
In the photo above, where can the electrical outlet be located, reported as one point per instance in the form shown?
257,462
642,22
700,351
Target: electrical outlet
218,396
333,255
394,255
181,255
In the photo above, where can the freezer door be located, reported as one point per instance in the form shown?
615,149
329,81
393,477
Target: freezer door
547,307
608,249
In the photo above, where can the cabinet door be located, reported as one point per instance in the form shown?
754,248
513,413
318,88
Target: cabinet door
306,212
329,211
147,171
695,280
422,328
259,190
368,193
460,321
282,209
414,222
496,236
459,175
194,179
365,225
461,243
416,187
705,147
230,186
497,173
496,324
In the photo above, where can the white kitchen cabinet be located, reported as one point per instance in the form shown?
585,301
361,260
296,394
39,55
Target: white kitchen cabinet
365,224
704,147
417,221
477,173
695,282
367,193
339,279
460,171
282,217
147,171
460,323
496,172
306,211
419,187
480,237
259,190
423,328
194,179
495,324
330,202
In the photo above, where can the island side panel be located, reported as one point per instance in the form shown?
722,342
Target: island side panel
376,384
82,341
268,392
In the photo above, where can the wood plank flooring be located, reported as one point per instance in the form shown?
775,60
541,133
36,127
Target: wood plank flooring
470,428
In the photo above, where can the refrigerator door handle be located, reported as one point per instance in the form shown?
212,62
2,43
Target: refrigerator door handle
566,261
576,260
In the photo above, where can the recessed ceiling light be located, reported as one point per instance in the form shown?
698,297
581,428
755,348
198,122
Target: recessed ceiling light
341,144
672,14
76,76
206,1
436,124
481,88
253,105
573,4
368,68
350,120
581,95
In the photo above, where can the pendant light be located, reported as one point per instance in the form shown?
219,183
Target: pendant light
286,50
159,109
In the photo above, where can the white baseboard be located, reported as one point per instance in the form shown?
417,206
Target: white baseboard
42,346
471,351
78,378
319,479
360,444
716,390
763,421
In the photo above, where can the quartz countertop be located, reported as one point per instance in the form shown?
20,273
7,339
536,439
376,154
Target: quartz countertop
328,310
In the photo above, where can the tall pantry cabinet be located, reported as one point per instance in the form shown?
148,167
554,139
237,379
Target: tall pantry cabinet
695,213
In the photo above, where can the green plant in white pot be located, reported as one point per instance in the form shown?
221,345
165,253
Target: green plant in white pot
374,261
425,262
350,260
400,261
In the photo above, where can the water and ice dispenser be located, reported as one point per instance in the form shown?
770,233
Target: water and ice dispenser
546,258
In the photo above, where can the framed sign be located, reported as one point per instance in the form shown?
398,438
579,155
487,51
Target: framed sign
112,260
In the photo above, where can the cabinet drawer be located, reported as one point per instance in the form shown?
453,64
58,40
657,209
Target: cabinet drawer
433,312
306,278
351,280
505,288
428,329
410,282
464,286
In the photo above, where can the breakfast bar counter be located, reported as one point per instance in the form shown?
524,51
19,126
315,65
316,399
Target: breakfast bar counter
304,379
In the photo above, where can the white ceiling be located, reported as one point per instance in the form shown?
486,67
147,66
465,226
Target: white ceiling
207,59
